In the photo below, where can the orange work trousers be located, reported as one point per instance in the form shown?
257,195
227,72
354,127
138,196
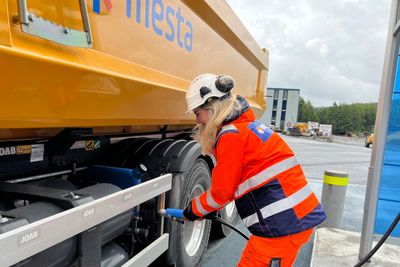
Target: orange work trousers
259,251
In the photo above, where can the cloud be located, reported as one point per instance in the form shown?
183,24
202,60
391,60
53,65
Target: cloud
330,50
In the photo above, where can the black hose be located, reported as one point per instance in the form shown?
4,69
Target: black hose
217,219
380,243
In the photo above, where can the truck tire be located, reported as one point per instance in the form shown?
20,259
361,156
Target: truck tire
188,241
229,215
367,144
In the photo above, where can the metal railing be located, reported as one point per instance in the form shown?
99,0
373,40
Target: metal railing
59,227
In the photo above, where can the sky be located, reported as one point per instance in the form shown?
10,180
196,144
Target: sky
332,51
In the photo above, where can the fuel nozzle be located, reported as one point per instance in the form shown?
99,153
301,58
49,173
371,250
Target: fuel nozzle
173,214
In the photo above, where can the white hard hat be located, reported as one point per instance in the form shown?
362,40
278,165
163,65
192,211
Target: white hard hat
206,86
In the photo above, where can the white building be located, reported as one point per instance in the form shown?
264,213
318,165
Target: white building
282,108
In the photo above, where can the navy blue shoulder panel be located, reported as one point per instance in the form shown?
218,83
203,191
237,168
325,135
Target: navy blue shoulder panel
230,128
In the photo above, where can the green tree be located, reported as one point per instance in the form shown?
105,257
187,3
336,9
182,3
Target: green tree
348,118
301,109
323,115
306,111
369,113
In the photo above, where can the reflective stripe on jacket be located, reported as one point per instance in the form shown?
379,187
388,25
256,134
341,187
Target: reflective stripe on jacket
257,169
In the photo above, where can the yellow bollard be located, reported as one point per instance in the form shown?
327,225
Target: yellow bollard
334,196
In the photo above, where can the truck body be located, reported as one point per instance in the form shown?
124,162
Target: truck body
93,135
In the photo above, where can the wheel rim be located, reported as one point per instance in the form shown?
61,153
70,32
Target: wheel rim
194,231
230,208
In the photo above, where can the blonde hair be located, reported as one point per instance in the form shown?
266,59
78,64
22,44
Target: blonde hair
219,110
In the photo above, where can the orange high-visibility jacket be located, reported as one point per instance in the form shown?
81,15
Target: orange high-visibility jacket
257,169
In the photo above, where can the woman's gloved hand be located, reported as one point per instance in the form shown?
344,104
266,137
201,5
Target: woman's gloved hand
188,213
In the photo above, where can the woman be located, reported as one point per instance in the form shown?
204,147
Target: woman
257,169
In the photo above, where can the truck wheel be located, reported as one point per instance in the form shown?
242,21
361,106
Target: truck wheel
229,215
188,241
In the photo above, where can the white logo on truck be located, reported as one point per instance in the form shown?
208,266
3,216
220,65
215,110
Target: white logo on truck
5,151
88,212
25,238
128,196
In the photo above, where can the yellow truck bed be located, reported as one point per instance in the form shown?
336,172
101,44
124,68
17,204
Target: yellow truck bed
134,71
93,136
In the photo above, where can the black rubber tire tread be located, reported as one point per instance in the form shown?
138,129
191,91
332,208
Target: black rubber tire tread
199,173
219,230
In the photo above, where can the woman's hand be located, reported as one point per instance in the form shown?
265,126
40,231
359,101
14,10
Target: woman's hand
188,213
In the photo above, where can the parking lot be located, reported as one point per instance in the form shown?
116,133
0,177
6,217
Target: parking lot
316,156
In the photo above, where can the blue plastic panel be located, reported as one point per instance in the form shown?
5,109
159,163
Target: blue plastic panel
396,88
121,177
392,150
389,192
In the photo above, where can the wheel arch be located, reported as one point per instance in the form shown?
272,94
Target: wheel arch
162,156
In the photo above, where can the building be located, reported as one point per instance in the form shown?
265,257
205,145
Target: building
282,108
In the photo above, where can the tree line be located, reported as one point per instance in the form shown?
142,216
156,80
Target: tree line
345,118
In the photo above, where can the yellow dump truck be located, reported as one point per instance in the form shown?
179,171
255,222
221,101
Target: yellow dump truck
93,135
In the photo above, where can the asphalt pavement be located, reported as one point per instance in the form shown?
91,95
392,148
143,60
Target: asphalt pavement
316,156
